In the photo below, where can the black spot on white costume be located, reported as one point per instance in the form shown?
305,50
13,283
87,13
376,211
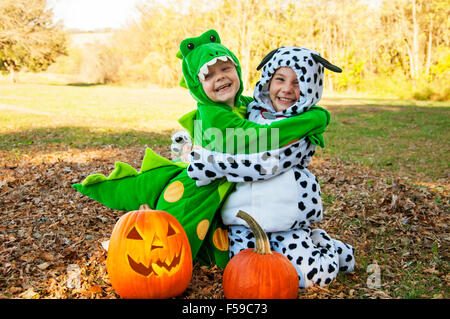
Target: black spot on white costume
275,186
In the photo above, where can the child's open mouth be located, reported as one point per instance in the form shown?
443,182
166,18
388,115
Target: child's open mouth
284,100
223,88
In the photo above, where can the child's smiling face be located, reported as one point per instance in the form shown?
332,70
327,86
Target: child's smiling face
283,89
221,84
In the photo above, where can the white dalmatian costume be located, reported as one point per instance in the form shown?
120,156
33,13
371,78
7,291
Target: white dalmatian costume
275,187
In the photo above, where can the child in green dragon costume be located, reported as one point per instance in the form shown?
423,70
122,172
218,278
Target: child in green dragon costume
165,185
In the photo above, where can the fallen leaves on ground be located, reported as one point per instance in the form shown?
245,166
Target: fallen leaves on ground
52,238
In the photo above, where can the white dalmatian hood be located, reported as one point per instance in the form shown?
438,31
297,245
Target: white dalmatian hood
309,67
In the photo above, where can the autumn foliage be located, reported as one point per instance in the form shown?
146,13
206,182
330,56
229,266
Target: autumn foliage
398,47
29,39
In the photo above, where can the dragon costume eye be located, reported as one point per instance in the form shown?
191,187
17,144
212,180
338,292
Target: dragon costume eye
212,38
190,46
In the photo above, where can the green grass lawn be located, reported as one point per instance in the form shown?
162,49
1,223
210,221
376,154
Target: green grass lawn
83,116
404,136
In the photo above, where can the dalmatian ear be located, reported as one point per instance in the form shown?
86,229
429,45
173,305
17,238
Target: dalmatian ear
266,59
325,63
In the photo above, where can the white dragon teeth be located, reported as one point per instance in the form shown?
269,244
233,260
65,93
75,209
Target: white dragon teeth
204,69
212,62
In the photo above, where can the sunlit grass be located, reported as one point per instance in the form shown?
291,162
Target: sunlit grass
149,109
394,135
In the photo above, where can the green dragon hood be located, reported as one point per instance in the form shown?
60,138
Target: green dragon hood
196,53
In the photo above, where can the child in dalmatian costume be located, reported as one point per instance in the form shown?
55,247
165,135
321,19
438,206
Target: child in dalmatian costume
278,190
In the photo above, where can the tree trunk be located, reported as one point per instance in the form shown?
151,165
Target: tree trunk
430,42
415,46
12,75
411,62
10,66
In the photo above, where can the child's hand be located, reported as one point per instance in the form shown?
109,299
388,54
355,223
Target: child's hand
181,145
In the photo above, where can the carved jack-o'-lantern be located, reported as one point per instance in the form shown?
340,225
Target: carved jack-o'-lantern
149,255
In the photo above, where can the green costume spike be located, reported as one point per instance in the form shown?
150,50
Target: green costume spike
165,185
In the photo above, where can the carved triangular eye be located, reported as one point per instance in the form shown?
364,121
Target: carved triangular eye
171,231
133,234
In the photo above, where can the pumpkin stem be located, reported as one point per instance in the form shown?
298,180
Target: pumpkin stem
262,245
144,207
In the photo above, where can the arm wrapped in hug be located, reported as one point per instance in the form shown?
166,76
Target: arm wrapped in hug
303,133
206,166
223,131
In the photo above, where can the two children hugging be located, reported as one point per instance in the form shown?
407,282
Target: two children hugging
273,185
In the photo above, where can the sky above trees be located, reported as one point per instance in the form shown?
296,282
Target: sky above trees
88,15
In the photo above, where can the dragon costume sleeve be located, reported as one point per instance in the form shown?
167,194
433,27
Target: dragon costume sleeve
208,164
252,137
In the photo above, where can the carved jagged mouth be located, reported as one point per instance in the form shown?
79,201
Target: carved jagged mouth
147,271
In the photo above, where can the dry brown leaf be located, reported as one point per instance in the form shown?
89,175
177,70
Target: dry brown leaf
43,266
29,294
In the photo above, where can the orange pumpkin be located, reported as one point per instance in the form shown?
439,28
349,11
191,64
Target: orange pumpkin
259,273
149,255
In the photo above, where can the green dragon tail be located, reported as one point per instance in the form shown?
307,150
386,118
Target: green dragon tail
165,185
